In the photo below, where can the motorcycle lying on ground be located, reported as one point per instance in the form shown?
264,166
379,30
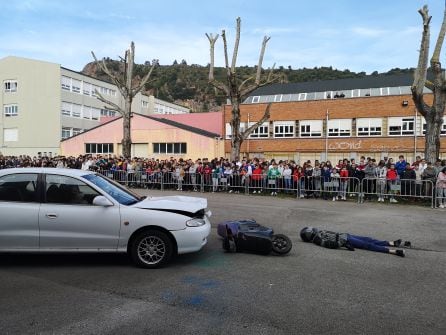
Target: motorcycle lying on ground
249,236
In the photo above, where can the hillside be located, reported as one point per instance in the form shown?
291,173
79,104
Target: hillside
188,84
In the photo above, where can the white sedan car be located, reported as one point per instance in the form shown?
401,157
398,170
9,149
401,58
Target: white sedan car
64,210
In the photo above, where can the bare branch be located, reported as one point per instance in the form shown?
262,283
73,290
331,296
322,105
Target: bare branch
271,79
421,70
250,129
244,82
114,106
225,48
436,55
212,41
262,53
130,57
103,66
237,42
221,86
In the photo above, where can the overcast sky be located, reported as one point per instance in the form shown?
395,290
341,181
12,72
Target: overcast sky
346,34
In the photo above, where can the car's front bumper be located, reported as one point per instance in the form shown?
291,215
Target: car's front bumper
192,239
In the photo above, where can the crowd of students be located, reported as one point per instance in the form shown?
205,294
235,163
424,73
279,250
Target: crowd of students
384,179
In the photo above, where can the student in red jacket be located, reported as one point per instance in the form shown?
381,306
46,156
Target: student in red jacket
343,174
392,181
256,179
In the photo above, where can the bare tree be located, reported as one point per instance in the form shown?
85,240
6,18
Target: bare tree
236,89
125,86
433,114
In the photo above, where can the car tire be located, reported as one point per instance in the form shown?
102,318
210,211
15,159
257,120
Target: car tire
281,244
151,249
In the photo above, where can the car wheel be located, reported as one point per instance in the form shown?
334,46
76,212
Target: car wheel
151,249
281,244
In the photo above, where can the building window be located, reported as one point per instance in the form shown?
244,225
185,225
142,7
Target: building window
443,127
95,113
66,108
106,112
11,110
385,91
302,96
255,99
98,148
261,131
10,86
278,98
339,127
369,127
76,86
228,128
86,88
400,126
144,104
170,148
86,112
284,129
94,89
66,83
66,132
10,135
76,110
311,128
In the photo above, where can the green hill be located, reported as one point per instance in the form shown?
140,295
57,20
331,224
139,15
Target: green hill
188,84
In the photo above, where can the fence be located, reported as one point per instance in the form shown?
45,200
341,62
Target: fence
334,188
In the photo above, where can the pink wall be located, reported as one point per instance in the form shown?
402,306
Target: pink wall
144,130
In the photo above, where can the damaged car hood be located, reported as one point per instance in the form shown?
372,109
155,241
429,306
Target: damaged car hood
175,203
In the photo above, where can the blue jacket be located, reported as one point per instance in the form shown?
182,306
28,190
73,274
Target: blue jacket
325,174
400,166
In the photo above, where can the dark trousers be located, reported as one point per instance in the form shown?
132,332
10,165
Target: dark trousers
367,243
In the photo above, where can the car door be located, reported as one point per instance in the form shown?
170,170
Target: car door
69,220
19,211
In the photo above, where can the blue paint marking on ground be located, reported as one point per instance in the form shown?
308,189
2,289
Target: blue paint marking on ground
194,300
201,282
210,283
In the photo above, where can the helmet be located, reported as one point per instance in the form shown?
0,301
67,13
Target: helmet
307,234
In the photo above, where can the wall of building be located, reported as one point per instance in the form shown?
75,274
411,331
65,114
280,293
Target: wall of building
38,99
300,149
145,132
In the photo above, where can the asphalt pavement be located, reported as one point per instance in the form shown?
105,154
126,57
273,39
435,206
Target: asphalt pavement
311,290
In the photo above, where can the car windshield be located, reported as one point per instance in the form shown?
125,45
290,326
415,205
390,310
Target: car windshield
116,191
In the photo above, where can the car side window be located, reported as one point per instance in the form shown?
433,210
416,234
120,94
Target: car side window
19,187
68,190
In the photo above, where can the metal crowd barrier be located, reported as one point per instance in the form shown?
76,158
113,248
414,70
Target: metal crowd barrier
336,188
394,190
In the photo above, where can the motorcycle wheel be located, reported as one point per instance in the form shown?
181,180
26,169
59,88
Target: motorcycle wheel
281,244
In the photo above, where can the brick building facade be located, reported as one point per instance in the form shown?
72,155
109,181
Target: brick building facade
351,124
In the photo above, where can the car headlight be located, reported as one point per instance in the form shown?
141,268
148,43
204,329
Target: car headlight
195,223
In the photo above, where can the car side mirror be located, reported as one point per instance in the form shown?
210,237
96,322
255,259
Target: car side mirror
100,200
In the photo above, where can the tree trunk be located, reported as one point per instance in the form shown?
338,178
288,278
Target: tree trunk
432,139
126,127
235,149
236,138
